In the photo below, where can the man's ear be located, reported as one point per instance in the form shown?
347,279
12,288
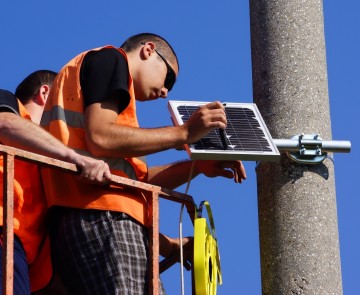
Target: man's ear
147,50
42,95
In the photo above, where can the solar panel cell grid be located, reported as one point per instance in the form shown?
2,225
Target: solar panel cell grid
245,137
243,131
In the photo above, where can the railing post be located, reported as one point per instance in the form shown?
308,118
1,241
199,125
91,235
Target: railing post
8,221
154,245
8,225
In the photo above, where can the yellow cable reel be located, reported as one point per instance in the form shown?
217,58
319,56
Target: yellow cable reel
207,271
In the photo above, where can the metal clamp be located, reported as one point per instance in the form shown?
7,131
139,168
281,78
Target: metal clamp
310,149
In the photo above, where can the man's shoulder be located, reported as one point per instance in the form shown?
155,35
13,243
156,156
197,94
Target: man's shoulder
8,102
5,94
107,59
105,52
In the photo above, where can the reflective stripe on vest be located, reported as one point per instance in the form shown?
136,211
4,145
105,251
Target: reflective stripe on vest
76,120
71,118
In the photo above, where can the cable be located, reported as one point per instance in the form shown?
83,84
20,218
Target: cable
190,177
181,251
180,230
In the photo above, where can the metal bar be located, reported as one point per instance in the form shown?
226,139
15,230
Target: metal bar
8,225
156,191
293,145
115,180
154,245
336,146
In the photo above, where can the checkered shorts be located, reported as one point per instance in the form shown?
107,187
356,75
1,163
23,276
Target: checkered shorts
100,252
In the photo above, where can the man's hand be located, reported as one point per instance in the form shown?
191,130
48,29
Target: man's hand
171,247
228,169
92,170
207,117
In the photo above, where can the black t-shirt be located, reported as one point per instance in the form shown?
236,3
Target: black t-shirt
8,102
104,75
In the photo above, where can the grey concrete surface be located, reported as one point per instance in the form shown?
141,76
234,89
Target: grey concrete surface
299,241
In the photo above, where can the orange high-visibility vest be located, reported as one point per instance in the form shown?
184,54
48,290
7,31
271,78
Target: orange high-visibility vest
64,118
29,217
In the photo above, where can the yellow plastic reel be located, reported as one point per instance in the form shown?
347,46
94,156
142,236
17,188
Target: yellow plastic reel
207,271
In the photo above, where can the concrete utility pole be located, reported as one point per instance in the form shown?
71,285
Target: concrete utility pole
299,241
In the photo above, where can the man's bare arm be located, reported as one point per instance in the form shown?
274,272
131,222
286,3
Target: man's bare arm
21,133
173,175
106,138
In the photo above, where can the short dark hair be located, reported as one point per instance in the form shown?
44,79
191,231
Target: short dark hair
162,45
27,89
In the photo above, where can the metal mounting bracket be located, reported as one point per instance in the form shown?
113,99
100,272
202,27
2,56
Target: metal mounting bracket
310,152
310,149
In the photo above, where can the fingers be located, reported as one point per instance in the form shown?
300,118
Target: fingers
214,112
207,117
215,105
97,174
238,170
172,254
241,172
95,171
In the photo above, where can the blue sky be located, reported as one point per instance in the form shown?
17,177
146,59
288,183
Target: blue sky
212,40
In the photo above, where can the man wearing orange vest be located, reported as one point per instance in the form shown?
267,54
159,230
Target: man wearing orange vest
99,235
32,265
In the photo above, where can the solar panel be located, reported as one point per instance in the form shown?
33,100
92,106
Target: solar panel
246,136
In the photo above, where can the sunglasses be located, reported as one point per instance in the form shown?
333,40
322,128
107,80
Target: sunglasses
170,78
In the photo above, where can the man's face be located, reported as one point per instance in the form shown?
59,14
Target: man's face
156,73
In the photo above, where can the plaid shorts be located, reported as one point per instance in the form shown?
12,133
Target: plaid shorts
100,252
